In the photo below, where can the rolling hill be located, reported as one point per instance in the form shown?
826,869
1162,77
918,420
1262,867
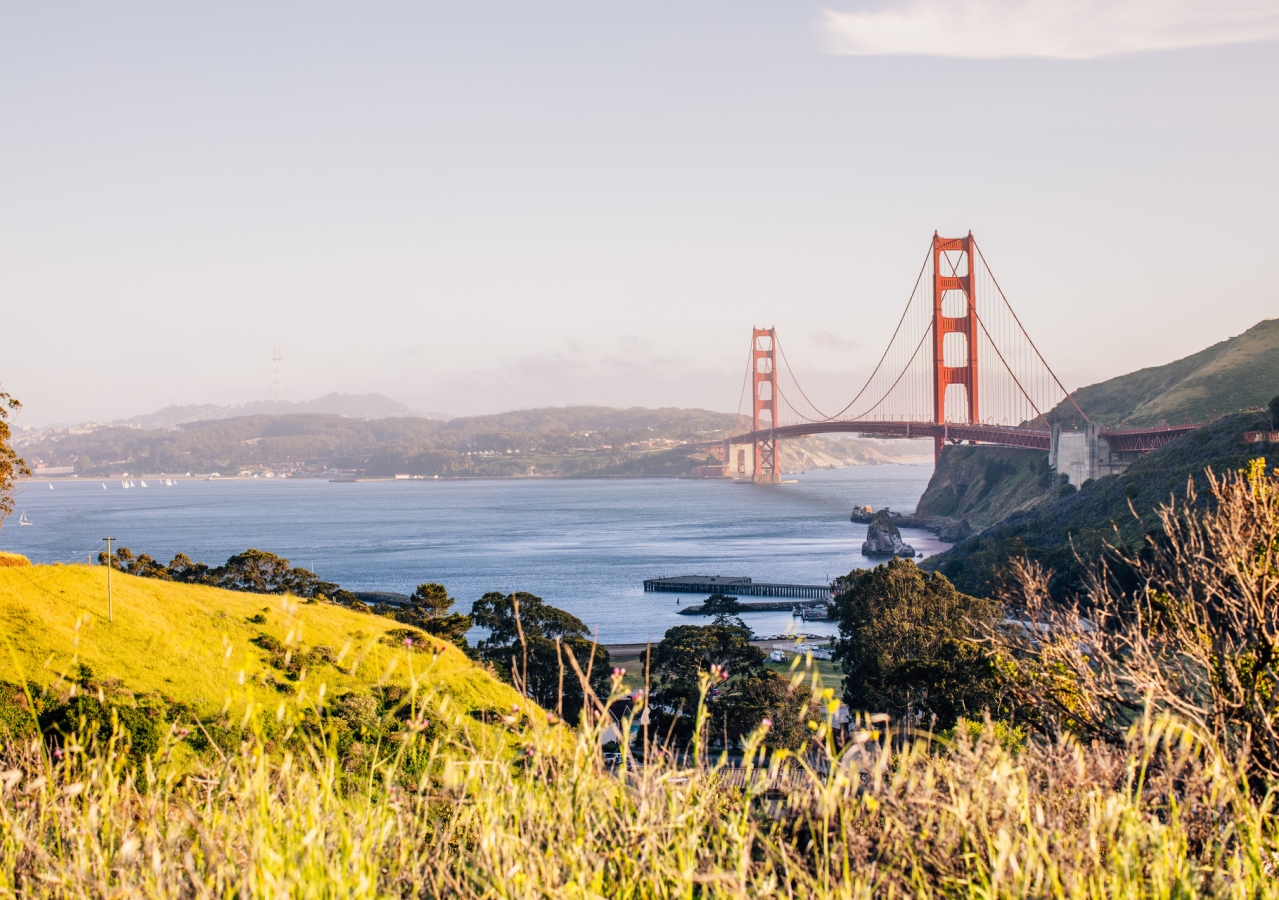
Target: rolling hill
1232,375
209,649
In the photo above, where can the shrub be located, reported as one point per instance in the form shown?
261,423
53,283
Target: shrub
1192,629
13,560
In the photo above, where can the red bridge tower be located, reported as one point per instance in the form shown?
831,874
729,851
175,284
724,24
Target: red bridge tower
953,314
764,378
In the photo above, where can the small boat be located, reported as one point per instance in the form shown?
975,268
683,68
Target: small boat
104,485
23,520
124,484
144,484
50,487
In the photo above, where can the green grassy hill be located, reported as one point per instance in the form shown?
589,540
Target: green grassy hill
205,648
983,485
1069,534
1235,374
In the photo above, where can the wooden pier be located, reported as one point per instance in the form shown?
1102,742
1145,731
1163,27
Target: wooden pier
739,586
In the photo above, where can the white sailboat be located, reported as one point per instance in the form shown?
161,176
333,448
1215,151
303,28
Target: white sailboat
144,484
104,485
124,484
50,487
23,520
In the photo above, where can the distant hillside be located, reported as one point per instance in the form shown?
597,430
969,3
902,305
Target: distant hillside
560,442
556,441
1077,525
356,406
1235,374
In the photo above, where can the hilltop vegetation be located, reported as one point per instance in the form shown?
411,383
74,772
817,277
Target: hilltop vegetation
1068,534
1229,376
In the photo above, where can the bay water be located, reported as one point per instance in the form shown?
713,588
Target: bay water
583,545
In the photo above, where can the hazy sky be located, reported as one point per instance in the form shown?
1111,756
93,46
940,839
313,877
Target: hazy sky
475,207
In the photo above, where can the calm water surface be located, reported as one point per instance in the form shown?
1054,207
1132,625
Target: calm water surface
585,546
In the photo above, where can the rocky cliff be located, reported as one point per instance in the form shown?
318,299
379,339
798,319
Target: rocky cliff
983,485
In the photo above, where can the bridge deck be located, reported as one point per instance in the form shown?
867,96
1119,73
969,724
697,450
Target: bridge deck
1121,440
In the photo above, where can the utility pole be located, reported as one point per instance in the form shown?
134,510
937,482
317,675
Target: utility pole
110,566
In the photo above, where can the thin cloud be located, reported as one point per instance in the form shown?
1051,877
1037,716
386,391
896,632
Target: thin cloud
1052,29
828,340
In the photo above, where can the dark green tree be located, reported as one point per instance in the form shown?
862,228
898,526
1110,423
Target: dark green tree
12,466
428,609
741,695
907,643
537,660
720,604
1274,412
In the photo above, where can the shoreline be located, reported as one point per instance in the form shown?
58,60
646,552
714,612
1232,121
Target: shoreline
74,479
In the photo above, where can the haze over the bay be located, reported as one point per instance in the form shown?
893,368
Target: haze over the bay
473,208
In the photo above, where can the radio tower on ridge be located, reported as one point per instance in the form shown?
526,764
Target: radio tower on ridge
276,359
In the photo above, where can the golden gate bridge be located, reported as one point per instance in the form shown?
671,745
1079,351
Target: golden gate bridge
959,367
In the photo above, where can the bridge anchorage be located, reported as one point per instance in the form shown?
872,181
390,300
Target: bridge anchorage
959,367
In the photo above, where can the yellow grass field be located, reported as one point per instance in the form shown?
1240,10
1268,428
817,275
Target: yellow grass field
193,644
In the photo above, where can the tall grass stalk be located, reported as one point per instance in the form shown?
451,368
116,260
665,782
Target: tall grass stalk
444,812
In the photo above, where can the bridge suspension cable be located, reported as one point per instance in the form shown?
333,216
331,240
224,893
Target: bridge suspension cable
991,372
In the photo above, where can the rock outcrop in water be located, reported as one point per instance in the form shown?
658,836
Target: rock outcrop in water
883,538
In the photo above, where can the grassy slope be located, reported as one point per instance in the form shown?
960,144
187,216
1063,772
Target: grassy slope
1087,519
173,639
986,484
1234,374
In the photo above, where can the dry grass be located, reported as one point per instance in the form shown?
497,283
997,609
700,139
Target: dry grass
12,560
437,816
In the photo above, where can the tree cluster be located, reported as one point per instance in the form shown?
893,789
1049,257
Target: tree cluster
253,571
740,692
909,644
545,652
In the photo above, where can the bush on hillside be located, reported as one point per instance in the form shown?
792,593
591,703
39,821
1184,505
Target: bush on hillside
1193,630
428,610
13,560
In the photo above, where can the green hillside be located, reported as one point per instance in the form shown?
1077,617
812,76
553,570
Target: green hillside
1236,374
1069,534
207,649
982,485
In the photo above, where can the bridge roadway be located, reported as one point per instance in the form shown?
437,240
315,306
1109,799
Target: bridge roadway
1127,440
